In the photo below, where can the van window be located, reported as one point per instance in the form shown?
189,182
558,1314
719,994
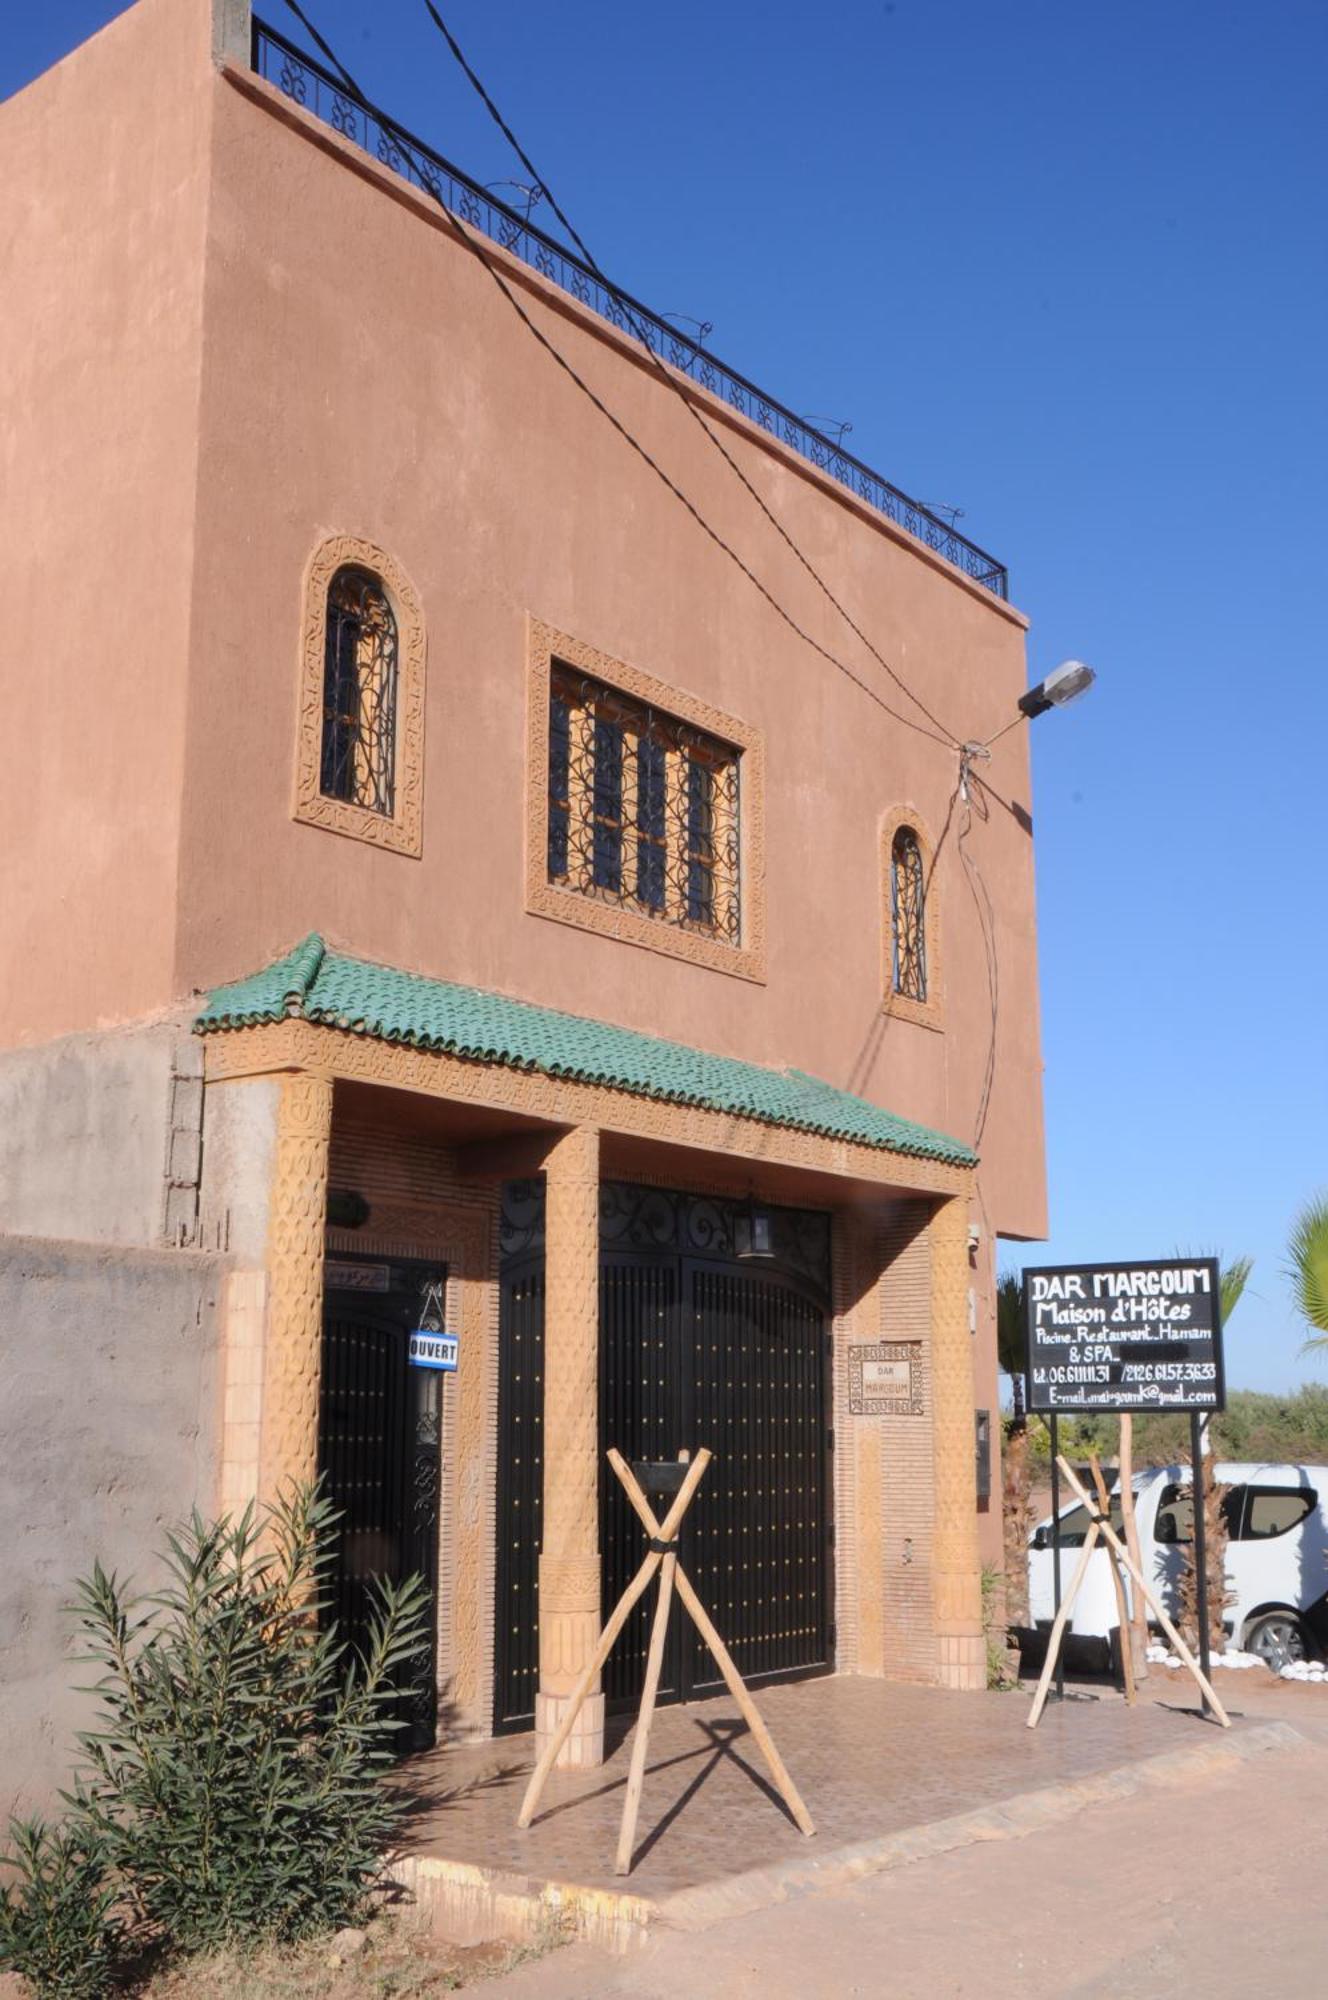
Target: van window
1074,1525
1276,1510
1175,1513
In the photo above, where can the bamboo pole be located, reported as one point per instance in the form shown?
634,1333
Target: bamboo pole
1114,1542
1122,1613
1059,1624
732,1678
751,1714
654,1663
1130,1528
622,1611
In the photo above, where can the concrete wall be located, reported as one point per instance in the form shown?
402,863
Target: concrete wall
239,1152
103,181
111,1416
86,1143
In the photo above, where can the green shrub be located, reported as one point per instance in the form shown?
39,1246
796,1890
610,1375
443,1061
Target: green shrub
57,1930
999,1677
234,1782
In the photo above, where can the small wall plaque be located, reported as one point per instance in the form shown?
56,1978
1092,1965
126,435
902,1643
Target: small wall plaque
885,1379
342,1277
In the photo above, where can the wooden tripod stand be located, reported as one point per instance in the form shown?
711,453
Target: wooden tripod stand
1100,1528
663,1556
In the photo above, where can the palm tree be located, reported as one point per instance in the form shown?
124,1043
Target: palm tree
1016,1481
1010,1331
1308,1268
1232,1280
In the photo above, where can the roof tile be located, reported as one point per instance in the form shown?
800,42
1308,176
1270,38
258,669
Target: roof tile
317,985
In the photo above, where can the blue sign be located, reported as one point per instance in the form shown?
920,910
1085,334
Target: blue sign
433,1350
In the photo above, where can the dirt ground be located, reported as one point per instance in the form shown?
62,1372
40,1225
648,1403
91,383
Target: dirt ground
399,1960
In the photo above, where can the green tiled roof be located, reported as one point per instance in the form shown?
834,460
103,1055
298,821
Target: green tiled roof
314,984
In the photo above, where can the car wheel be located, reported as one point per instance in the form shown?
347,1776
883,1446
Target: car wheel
1278,1637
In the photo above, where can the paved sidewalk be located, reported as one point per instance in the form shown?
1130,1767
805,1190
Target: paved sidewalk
1212,1888
871,1758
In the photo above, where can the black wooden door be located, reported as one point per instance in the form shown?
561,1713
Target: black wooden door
760,1532
520,1491
380,1433
694,1351
639,1386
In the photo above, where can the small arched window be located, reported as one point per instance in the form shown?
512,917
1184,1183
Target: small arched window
359,740
908,910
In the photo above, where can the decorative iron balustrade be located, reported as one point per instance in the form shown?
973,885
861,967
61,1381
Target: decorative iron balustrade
308,84
655,1220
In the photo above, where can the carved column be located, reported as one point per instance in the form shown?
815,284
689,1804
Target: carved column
294,1346
961,1652
569,1607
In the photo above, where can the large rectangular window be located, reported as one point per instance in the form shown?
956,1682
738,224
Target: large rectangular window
643,808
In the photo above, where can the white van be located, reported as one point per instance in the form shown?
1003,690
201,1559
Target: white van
1277,1560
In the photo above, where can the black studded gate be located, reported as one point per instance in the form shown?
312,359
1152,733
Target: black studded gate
697,1347
379,1437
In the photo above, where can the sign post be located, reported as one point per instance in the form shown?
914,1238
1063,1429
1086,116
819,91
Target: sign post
1055,1430
1112,1338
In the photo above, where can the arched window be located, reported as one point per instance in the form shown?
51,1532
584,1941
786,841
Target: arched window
359,742
908,910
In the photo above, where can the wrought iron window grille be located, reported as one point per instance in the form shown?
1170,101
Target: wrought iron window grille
643,809
358,761
308,84
908,912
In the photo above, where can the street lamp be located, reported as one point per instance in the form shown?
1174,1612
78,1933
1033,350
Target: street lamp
1064,684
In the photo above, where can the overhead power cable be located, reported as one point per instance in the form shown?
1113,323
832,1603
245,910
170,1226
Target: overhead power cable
668,376
969,753
476,246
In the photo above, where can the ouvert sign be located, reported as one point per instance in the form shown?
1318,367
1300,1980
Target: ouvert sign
1125,1337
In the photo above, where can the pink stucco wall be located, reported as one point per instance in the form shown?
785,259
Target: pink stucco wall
103,182
360,373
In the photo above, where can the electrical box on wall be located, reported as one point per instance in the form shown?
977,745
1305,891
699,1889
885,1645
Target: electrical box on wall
983,1442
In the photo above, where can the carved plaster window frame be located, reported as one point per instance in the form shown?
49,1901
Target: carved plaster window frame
928,1013
400,832
544,898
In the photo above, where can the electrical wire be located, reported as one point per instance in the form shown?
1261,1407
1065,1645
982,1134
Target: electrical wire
476,247
968,752
1005,729
969,781
986,914
672,380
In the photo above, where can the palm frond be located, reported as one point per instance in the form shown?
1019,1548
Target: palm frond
1232,1280
1307,1268
1010,1322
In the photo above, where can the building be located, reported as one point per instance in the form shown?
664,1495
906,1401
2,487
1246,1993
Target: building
446,893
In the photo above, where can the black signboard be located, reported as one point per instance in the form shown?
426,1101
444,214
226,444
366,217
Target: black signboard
1125,1336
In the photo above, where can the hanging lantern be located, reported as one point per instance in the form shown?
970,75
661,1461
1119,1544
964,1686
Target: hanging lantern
753,1234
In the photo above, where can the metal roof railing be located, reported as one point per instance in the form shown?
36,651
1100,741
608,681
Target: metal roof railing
316,90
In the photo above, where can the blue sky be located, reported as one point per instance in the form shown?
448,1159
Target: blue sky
1063,267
